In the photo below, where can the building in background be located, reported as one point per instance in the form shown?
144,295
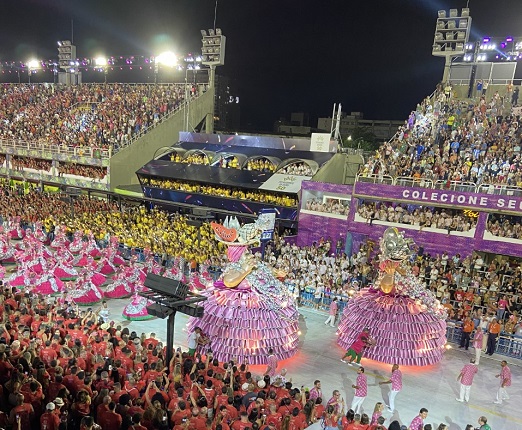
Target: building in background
381,129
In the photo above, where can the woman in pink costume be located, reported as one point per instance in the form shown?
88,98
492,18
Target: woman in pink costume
175,273
124,281
92,247
46,285
39,232
90,270
62,268
405,319
151,265
116,257
15,229
60,239
107,263
7,251
84,292
136,310
199,282
78,244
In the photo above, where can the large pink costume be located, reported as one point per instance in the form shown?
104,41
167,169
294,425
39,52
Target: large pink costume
248,318
404,318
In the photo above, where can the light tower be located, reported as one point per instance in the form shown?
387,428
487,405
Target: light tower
212,55
67,62
451,36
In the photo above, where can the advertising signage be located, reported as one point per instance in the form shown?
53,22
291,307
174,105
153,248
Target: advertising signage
436,197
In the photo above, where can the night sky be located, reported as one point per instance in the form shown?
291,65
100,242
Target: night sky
283,56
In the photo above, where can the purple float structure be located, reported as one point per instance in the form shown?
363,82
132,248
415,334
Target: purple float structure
405,320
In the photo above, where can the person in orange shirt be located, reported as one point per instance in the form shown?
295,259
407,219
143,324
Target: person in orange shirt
493,332
467,328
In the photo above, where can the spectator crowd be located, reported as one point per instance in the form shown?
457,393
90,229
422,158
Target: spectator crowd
421,216
502,225
229,192
87,115
446,139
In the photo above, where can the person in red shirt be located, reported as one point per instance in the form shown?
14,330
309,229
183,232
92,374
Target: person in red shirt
197,422
151,340
22,413
50,420
110,420
136,423
181,412
243,422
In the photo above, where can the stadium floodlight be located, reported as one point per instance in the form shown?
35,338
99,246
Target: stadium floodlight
33,64
218,32
100,61
203,33
167,58
450,39
211,32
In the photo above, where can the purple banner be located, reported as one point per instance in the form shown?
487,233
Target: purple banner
431,197
313,226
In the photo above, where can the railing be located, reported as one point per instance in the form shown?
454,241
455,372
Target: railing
471,187
9,146
376,179
503,189
405,181
507,344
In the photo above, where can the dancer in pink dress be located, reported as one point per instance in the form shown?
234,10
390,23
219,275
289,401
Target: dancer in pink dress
92,274
84,292
136,310
405,319
7,250
39,232
62,268
106,265
60,238
47,284
15,229
77,245
124,282
92,247
174,273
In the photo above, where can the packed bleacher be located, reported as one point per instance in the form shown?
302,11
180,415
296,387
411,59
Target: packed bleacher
423,217
501,225
35,205
235,193
300,169
21,163
82,170
88,115
450,140
330,205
